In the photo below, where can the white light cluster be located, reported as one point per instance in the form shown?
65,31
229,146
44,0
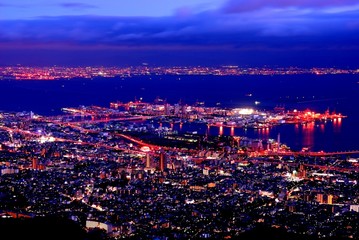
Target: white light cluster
243,111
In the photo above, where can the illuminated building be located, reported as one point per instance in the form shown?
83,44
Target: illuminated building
167,109
35,163
148,160
278,141
320,197
291,208
162,163
302,172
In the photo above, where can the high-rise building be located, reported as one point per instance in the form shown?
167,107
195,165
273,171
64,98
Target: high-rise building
148,160
307,197
163,162
167,109
291,208
302,172
320,197
35,163
176,109
278,142
301,167
330,199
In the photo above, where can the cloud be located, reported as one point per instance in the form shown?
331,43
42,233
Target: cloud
240,6
6,5
277,29
75,5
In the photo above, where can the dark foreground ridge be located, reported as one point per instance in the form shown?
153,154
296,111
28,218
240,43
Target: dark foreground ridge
41,228
62,228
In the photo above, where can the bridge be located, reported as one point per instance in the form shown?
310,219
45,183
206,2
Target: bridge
56,139
310,154
62,119
323,167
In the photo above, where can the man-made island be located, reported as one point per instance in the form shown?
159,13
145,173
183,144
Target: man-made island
117,169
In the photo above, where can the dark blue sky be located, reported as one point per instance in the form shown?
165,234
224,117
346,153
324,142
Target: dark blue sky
162,32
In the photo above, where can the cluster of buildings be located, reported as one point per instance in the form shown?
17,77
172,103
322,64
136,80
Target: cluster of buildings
113,173
225,117
58,72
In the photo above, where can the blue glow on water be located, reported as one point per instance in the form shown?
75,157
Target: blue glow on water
334,92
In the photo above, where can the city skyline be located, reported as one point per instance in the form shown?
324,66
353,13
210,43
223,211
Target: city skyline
303,33
201,119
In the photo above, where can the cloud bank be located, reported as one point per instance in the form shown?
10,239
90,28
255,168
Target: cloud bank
256,25
238,6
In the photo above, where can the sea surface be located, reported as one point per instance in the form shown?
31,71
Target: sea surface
318,93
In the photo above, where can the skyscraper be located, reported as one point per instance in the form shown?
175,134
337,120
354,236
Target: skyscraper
148,160
163,162
35,163
320,197
278,141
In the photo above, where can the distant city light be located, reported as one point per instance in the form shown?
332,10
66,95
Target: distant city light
243,111
44,139
145,149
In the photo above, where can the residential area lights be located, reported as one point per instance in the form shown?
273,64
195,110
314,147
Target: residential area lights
58,72
111,169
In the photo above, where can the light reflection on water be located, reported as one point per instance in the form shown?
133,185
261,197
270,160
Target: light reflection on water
312,135
330,91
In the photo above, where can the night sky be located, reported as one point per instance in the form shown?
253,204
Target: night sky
187,32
